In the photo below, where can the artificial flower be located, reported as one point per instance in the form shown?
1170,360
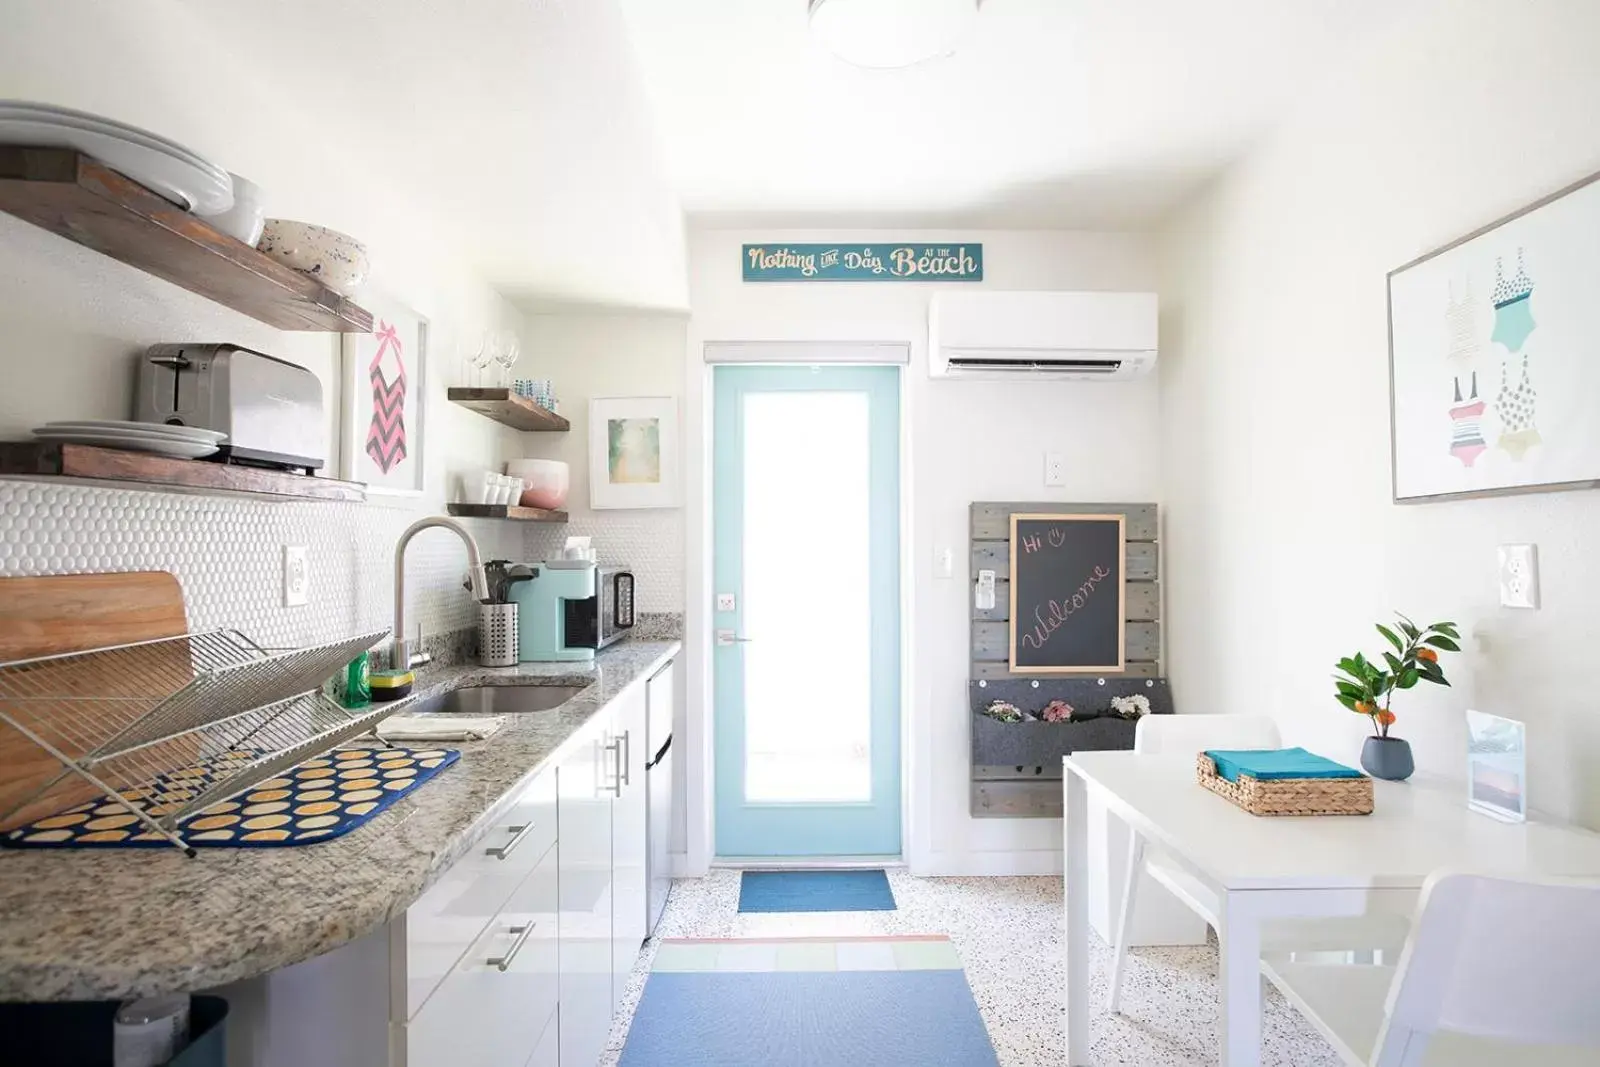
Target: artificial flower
1001,711
1056,711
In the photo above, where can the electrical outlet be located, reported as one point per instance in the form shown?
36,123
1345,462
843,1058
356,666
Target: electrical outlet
725,602
1519,576
1055,468
296,576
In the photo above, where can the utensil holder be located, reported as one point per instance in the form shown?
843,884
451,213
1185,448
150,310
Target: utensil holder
497,635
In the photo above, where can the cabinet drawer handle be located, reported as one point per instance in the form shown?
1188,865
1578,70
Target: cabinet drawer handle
519,832
503,963
625,757
615,785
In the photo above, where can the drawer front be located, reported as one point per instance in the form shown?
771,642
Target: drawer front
523,834
497,1001
456,910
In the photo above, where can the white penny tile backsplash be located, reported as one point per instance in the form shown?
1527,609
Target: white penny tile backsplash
227,552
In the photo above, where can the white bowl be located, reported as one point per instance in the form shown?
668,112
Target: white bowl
337,260
245,220
544,482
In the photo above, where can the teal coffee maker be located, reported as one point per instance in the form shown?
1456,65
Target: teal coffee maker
542,610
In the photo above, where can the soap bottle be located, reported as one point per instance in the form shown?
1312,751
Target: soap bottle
356,691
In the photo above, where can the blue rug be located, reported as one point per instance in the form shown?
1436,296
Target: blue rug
851,1002
815,891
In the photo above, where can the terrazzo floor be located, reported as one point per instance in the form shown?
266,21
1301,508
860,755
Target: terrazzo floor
1009,933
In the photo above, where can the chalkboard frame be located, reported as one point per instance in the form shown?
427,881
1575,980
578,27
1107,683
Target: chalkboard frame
1122,595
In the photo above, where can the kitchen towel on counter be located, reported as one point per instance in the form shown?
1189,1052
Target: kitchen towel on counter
439,728
1276,764
318,800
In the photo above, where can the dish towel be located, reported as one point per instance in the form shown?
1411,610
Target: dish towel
439,728
1271,764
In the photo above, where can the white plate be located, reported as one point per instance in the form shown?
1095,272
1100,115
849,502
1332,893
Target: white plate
66,116
159,429
192,187
124,440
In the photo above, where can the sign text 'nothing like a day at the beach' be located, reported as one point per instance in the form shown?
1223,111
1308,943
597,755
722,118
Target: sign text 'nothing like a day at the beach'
863,263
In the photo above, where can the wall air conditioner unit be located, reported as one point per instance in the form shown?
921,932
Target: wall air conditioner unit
998,336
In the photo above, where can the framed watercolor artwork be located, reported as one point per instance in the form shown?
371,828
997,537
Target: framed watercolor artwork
1497,766
383,386
633,452
1494,356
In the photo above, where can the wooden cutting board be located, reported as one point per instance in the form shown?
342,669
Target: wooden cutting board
70,613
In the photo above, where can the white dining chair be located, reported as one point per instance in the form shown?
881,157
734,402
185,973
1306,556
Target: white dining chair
1495,972
1190,734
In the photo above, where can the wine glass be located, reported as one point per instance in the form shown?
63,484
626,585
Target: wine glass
506,352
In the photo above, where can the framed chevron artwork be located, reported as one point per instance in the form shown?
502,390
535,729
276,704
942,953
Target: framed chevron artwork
1494,356
383,387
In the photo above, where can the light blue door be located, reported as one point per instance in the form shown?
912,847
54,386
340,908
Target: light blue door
806,498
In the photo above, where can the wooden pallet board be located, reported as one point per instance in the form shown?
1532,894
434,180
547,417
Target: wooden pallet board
1001,792
84,201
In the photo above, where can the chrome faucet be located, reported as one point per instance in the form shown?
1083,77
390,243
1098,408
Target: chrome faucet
402,657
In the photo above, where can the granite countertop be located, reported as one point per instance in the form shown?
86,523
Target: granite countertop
114,923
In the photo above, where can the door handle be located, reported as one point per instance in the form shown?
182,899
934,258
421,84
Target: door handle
728,637
626,757
503,963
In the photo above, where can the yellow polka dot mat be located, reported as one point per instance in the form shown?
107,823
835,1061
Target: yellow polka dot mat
317,800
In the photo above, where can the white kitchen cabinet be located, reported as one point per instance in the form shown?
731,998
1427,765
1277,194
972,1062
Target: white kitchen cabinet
629,840
586,784
494,1006
455,910
548,1054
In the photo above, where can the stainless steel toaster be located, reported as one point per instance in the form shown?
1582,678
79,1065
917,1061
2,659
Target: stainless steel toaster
270,409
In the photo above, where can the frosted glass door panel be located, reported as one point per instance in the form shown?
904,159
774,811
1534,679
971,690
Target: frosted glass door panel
807,541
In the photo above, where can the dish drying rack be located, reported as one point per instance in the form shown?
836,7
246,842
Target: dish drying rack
213,709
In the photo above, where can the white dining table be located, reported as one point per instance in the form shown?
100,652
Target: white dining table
1263,868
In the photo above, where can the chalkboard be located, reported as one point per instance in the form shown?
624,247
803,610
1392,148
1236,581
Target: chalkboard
1067,612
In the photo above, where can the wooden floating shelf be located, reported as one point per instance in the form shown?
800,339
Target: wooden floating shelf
504,406
33,459
506,511
70,194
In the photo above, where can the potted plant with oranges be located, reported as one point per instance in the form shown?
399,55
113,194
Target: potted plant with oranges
1368,688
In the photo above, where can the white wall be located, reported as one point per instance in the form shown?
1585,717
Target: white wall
965,441
1283,546
598,354
72,323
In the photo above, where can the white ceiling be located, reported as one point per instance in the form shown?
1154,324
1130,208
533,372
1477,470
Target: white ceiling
521,125
1054,112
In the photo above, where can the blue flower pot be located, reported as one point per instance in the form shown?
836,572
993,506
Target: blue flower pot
1388,758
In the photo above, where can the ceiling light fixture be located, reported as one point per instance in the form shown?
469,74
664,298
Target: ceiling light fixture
891,34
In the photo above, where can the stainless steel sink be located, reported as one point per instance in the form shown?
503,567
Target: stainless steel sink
497,699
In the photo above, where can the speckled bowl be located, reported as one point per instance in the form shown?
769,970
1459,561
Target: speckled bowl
337,260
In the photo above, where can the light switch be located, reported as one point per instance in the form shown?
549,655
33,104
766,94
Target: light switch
1519,576
944,563
725,602
296,576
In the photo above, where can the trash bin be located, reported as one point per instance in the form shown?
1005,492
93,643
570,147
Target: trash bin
78,1034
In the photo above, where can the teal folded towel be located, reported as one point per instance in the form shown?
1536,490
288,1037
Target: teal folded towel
1267,764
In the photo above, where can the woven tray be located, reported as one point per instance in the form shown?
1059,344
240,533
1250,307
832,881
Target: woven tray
1289,796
